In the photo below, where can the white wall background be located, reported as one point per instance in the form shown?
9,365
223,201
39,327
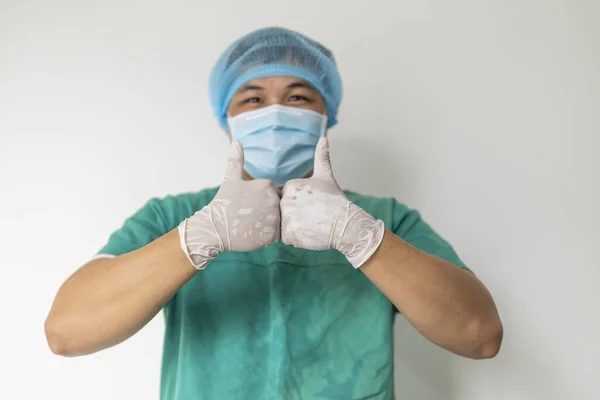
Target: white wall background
484,115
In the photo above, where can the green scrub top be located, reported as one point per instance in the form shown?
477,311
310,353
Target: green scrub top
277,323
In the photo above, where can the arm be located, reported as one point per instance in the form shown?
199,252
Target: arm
108,300
444,302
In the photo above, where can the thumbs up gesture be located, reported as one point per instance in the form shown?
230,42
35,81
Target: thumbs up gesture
317,215
243,216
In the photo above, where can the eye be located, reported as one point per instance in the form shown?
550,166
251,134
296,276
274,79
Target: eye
298,98
252,100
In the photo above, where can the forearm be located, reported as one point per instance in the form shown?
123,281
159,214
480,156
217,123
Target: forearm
108,300
446,303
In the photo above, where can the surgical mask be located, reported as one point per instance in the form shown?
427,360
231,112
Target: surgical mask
279,142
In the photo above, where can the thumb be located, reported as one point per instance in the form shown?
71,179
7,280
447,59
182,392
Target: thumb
235,165
322,168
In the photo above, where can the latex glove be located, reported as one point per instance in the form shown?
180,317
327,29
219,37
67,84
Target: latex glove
243,216
317,215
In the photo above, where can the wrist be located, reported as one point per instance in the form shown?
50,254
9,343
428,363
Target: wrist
361,236
172,244
199,244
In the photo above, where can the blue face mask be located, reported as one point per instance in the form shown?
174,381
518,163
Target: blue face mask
279,142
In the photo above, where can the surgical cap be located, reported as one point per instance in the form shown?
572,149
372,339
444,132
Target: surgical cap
274,52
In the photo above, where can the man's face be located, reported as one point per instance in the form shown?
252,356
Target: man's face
283,90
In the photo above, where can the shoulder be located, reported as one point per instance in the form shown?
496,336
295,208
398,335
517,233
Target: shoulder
388,209
155,218
369,201
192,200
397,216
406,223
172,209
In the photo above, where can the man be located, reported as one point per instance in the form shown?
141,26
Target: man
251,310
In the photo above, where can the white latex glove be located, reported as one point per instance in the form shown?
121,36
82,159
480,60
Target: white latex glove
317,215
243,216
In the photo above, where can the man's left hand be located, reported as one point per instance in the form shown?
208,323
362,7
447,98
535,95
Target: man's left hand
317,215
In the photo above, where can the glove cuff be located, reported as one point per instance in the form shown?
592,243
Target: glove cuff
361,236
375,239
198,254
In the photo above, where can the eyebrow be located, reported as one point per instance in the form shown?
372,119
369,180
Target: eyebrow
305,85
249,87
293,85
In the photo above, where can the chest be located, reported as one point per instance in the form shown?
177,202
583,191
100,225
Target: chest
281,286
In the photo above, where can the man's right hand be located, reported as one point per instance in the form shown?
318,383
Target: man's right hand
243,216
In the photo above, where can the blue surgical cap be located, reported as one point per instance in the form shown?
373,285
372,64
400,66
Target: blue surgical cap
274,52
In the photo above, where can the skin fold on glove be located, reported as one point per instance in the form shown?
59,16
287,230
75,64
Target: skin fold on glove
317,215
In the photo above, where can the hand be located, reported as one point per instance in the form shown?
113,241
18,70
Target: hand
243,216
317,215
